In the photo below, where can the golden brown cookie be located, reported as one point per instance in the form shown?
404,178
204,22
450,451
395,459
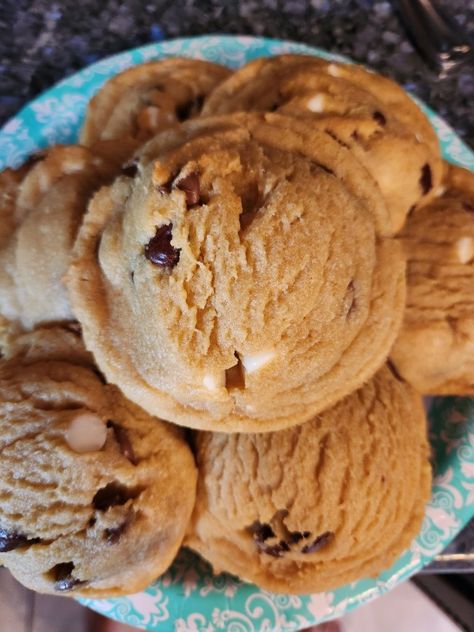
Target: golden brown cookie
435,347
240,281
311,508
89,481
143,100
368,113
42,206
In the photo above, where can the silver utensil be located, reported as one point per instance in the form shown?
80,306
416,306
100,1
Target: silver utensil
437,36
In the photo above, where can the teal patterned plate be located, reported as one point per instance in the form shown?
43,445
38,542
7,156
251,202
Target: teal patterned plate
188,598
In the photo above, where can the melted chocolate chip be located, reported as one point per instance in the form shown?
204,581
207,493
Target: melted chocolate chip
130,169
113,535
191,187
189,108
159,249
379,118
426,180
112,495
318,543
261,531
10,540
63,579
121,436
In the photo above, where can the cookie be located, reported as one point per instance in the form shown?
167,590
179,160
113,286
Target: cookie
367,113
145,99
312,508
435,347
42,205
89,481
240,281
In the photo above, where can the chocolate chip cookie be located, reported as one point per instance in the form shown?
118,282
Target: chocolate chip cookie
145,99
435,347
368,113
89,482
315,507
241,280
41,206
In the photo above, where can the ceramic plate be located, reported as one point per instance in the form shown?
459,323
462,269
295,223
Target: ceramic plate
188,598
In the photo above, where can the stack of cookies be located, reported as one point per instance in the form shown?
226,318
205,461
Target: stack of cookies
277,259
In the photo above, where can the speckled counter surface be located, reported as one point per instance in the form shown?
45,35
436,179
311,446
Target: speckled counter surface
43,41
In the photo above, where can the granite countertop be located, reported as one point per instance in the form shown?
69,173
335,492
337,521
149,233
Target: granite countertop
43,41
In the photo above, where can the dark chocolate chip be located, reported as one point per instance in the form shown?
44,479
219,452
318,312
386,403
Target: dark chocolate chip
261,531
10,540
164,189
426,180
318,543
191,187
159,249
132,275
296,536
379,118
63,579
113,494
130,168
113,535
121,436
274,551
189,108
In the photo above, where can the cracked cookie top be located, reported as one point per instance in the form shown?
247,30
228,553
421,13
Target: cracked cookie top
326,503
238,278
89,481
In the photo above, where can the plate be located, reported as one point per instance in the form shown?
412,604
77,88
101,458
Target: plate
188,598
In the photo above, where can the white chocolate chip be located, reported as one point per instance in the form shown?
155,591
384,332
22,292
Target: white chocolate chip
87,432
465,249
316,103
439,191
213,382
256,361
333,70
